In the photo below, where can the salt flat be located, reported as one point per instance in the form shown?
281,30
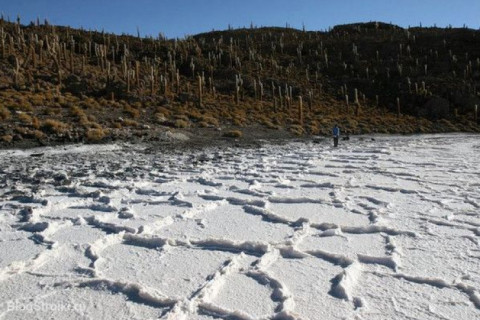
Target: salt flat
377,229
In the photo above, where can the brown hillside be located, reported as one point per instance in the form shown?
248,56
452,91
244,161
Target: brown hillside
59,84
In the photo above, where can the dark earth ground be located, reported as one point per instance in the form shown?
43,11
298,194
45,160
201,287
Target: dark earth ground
164,139
167,140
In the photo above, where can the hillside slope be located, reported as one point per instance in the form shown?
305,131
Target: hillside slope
59,84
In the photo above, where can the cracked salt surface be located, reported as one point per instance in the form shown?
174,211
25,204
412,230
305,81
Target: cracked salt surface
372,230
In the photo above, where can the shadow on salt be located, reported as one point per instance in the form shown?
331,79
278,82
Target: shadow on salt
319,213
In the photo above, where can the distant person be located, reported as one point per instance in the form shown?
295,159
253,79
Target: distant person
336,135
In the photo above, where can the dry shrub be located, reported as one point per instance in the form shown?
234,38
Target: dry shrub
224,114
25,118
117,125
37,100
179,123
22,105
6,138
66,104
90,103
104,102
163,111
137,105
297,130
450,126
35,123
130,123
182,117
384,130
195,115
240,122
95,125
77,112
51,111
29,133
233,134
38,134
59,99
159,117
148,104
313,129
95,135
364,127
131,112
266,122
4,113
48,96
22,131
210,121
83,121
54,126
277,121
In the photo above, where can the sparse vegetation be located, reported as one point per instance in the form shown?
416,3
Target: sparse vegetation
233,134
371,77
4,113
25,118
54,126
130,123
180,123
6,138
95,135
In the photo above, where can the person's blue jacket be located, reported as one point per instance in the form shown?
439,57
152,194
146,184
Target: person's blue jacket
336,131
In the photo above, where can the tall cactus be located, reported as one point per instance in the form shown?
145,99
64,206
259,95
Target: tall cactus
177,80
59,70
300,110
129,75
237,90
280,97
83,65
16,72
137,73
357,103
274,98
200,91
152,81
2,41
310,100
261,90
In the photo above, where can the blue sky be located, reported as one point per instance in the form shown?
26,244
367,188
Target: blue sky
185,17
